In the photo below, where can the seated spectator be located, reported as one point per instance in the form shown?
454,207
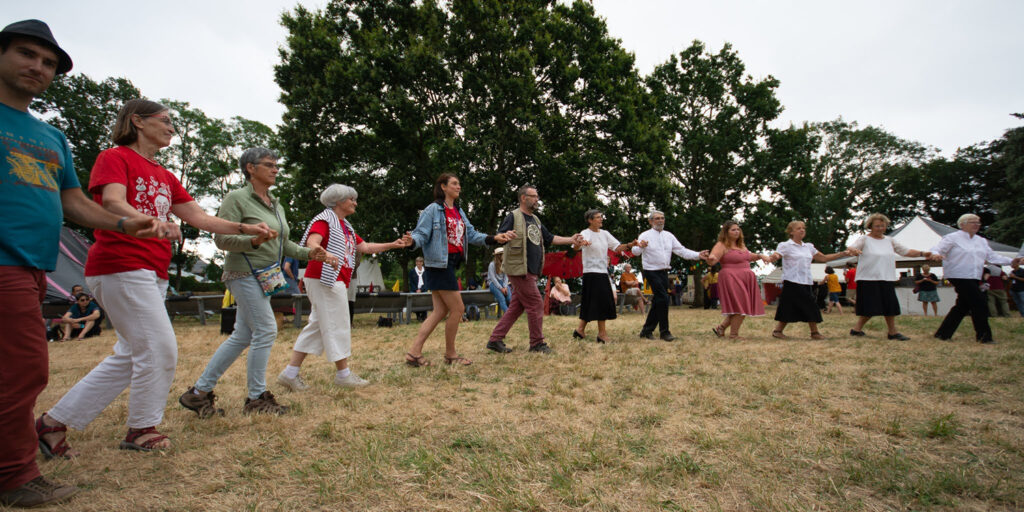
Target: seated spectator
82,319
560,299
630,285
75,290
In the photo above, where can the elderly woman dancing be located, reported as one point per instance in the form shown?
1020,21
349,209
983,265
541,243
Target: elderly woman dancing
255,326
964,254
328,331
876,275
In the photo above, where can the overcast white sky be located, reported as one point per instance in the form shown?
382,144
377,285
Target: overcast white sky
943,73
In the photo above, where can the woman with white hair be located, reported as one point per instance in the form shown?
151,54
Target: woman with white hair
964,254
247,259
328,331
876,275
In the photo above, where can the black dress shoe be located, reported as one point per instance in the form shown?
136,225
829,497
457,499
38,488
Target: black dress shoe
943,338
647,335
856,333
601,340
543,348
667,336
498,346
576,334
988,342
898,336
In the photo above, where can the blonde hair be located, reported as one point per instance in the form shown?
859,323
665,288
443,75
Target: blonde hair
965,218
792,226
497,262
870,221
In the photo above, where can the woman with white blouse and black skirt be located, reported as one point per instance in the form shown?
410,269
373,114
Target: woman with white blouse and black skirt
597,301
964,254
876,275
797,302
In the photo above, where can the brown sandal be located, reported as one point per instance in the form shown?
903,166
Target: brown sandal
462,361
146,446
415,361
718,330
60,449
779,335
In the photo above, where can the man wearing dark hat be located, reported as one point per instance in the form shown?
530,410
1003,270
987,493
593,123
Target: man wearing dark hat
39,187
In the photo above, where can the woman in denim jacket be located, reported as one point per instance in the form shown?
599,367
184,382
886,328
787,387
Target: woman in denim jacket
444,233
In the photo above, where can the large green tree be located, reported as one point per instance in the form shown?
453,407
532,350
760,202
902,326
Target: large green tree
1008,162
387,95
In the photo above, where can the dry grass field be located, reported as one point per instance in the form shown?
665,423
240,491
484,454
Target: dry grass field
699,424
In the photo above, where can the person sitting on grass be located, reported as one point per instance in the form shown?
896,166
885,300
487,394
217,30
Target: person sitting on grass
83,318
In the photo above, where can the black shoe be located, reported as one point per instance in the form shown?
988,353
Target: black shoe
667,336
601,340
576,334
943,338
543,348
498,346
856,333
988,342
898,336
647,335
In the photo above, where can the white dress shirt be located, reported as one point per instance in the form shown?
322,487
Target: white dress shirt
595,255
796,261
661,245
877,261
965,255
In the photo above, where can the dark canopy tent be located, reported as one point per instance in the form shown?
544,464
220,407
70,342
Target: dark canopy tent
70,266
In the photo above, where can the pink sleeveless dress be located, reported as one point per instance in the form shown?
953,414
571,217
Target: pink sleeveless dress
737,285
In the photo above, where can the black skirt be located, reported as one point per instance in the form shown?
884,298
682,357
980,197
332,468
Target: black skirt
797,304
443,278
597,301
877,298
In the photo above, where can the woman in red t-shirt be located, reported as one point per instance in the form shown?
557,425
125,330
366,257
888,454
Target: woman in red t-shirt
328,330
129,278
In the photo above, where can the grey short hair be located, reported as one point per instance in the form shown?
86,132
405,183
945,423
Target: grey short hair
522,190
965,218
253,156
590,214
337,193
650,216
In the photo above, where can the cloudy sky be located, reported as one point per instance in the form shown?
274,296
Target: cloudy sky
944,73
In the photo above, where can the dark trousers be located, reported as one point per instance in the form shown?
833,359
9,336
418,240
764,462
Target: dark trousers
658,315
969,301
24,369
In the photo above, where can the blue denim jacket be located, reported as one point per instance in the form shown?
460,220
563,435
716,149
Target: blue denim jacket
431,234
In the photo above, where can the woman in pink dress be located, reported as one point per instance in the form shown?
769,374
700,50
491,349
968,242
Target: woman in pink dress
738,292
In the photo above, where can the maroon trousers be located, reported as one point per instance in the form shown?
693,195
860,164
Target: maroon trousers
24,368
525,297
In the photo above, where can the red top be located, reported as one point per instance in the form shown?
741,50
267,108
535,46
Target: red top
456,229
151,190
315,268
851,278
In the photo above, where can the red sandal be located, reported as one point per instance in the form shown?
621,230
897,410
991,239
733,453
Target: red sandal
145,446
61,449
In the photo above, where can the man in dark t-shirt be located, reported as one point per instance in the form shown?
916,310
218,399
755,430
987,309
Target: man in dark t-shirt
523,263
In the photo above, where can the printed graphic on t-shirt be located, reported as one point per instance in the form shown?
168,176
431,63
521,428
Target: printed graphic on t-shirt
533,234
32,165
456,230
152,198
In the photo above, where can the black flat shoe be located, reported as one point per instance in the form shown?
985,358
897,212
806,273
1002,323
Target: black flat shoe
498,346
898,336
647,335
667,337
576,334
856,333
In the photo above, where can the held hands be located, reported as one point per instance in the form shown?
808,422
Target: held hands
502,238
151,227
704,254
260,232
405,241
321,254
934,256
643,244
578,240
850,251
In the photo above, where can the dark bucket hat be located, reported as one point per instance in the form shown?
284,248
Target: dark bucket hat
41,31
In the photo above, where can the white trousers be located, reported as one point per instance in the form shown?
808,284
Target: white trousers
329,330
144,357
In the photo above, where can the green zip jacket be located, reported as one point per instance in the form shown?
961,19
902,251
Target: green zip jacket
243,205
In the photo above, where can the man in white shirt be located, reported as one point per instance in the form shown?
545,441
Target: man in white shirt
657,247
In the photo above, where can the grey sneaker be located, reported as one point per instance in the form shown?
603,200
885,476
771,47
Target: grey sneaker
265,403
36,492
352,381
296,384
202,405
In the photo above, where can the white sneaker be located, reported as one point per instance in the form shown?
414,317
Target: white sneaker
296,384
352,381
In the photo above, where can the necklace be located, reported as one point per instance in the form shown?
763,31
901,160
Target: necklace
148,159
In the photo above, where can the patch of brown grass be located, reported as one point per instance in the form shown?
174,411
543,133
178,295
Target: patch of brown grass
699,424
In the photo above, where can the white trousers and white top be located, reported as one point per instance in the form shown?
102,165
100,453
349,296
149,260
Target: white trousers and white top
328,331
144,358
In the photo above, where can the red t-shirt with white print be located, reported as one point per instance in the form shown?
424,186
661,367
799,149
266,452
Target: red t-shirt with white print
456,229
151,190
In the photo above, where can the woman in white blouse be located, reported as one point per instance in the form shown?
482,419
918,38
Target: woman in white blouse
797,303
876,275
964,254
597,301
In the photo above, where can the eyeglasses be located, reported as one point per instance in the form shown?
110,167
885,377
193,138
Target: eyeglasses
268,165
163,119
